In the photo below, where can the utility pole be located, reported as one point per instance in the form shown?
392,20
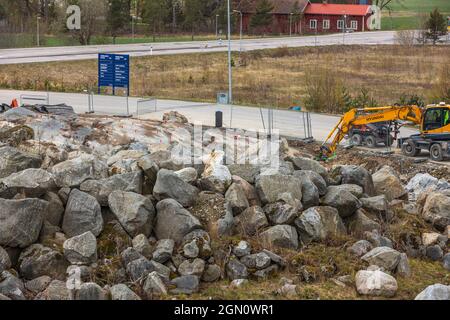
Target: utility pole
217,26
344,28
38,40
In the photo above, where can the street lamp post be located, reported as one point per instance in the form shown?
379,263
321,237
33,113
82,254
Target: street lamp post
38,40
344,29
240,32
290,24
132,26
217,26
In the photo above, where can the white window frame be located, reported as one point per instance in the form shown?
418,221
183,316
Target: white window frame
354,24
340,24
311,23
326,24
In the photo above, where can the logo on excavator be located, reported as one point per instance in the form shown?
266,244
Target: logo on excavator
375,118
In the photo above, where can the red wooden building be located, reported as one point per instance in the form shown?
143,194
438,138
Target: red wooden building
332,18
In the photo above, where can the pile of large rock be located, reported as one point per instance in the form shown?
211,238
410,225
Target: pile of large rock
151,221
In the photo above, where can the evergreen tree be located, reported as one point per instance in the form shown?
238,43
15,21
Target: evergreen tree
155,14
263,16
436,26
118,16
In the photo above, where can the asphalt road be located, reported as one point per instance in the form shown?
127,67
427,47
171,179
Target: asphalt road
289,123
45,54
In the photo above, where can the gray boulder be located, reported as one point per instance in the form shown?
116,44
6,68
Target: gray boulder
360,223
72,173
13,160
135,212
236,270
242,249
236,198
434,253
55,210
56,291
269,188
360,248
345,202
354,189
435,292
150,169
315,178
248,172
138,269
21,221
281,213
403,267
83,214
265,274
282,236
436,210
310,194
11,286
251,221
195,267
81,249
446,261
37,261
142,245
377,205
387,182
32,183
170,185
38,285
121,292
310,165
212,273
383,257
164,250
319,223
360,176
376,283
185,285
90,292
101,189
188,175
5,261
173,221
154,285
258,261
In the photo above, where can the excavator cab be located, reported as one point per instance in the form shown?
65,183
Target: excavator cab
435,119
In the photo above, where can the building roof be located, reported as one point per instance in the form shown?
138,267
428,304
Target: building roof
279,6
338,9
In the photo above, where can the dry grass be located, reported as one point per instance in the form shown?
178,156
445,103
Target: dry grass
268,77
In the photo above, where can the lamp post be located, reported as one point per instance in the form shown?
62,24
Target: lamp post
132,26
217,26
290,24
240,28
38,40
344,28
230,75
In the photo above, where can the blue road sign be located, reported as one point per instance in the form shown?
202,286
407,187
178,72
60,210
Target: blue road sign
114,71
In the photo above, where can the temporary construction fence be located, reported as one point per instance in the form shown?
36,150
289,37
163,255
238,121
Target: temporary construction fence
33,99
148,105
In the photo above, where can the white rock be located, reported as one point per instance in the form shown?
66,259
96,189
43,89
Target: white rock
376,283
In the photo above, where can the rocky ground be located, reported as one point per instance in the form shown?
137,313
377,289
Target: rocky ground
96,208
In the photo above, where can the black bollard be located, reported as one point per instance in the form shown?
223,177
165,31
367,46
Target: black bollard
219,119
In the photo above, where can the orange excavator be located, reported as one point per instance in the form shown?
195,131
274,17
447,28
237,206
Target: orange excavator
434,121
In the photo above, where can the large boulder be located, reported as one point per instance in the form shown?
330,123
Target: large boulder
437,210
32,183
387,182
13,160
55,210
236,198
310,194
188,175
249,191
81,249
216,177
5,261
236,270
319,223
135,212
11,287
301,163
83,214
269,188
344,201
72,173
360,176
315,178
360,223
383,257
121,292
170,186
101,189
435,292
282,212
248,172
378,206
282,236
37,261
376,283
56,291
173,221
21,221
251,221
424,182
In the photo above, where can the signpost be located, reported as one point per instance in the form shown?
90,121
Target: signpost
114,72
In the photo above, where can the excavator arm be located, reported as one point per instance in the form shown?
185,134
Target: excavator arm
364,116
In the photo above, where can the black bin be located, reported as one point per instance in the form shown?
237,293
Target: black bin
219,119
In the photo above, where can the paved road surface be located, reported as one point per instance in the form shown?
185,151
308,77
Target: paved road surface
45,54
289,123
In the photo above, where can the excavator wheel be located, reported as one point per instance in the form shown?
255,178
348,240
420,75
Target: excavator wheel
356,140
371,142
436,153
409,148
